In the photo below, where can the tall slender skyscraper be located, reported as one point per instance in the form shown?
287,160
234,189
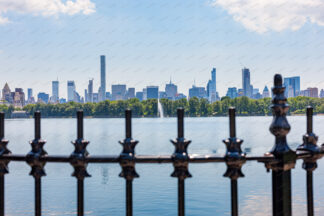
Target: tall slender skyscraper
55,91
90,91
71,90
30,93
246,83
102,90
211,87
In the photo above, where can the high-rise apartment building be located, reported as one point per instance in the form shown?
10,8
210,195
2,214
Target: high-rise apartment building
42,97
90,91
231,92
102,89
322,93
292,85
130,93
211,87
171,90
71,91
55,91
198,92
246,82
313,92
266,92
152,92
118,92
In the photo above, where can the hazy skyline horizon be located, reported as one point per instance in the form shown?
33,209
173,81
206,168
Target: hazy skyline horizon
147,42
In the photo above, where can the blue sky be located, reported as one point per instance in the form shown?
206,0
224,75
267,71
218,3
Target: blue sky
146,42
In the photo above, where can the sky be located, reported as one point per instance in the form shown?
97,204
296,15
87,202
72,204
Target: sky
148,42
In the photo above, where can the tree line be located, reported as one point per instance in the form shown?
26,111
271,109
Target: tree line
149,108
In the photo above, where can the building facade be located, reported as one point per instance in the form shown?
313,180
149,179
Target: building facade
55,91
198,92
102,89
231,92
152,92
292,85
171,90
71,91
246,82
118,92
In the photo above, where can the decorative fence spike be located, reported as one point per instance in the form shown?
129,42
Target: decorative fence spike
34,156
80,151
127,156
3,146
180,156
127,162
309,164
234,156
285,157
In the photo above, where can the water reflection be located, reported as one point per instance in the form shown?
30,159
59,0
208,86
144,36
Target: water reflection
207,193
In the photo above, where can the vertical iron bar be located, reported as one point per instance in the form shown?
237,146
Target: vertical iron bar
281,189
128,116
181,197
309,175
2,200
2,117
180,113
309,119
231,112
80,196
80,181
234,197
310,202
80,124
37,117
129,197
38,200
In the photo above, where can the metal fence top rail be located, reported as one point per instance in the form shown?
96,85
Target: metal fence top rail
280,159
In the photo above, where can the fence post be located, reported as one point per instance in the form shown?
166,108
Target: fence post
235,158
180,161
127,162
285,157
3,164
78,162
310,146
33,159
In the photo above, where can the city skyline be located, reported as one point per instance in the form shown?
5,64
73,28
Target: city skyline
121,92
147,48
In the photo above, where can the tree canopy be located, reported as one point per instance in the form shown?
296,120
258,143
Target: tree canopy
149,108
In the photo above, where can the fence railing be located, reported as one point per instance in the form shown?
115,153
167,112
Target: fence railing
281,159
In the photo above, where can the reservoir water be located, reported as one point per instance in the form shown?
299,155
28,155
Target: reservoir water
155,192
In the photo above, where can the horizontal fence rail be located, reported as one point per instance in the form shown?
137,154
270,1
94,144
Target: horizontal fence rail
280,160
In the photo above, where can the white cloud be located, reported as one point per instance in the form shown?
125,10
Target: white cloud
45,7
274,15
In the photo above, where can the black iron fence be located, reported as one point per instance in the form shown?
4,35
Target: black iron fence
281,159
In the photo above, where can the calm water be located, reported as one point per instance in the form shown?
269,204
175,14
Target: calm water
207,193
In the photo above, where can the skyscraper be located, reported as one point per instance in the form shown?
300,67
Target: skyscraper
118,92
71,91
211,87
55,91
102,90
29,93
246,82
171,90
198,92
90,91
266,92
292,85
231,92
152,92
